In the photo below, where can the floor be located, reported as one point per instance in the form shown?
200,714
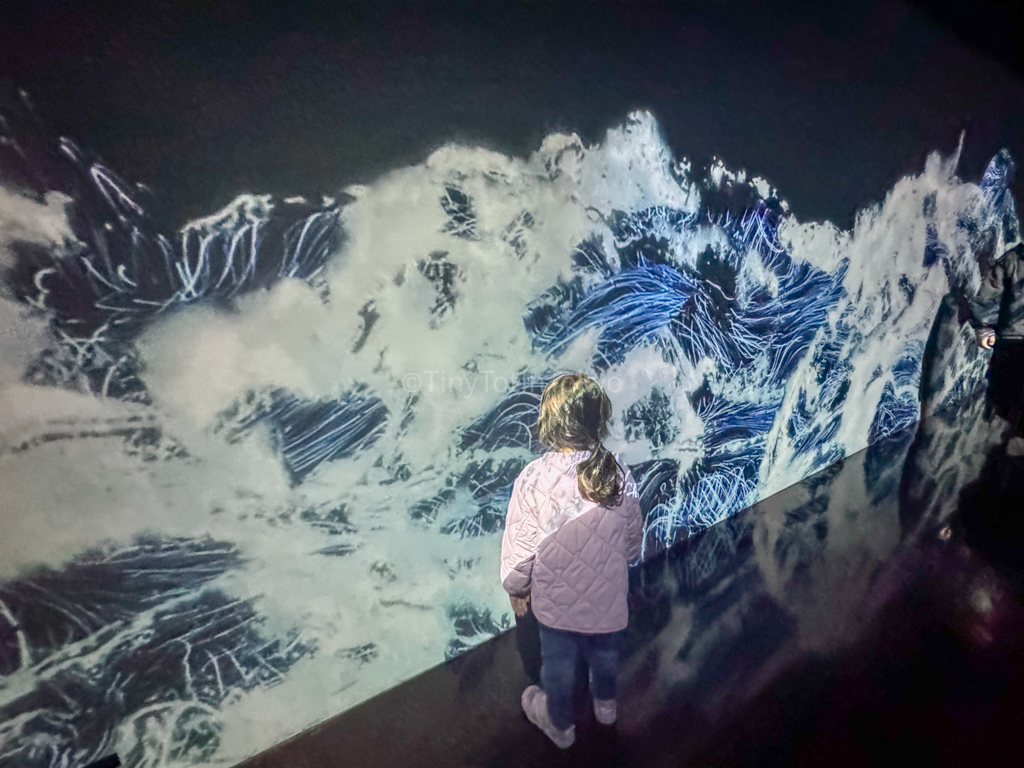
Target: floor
872,615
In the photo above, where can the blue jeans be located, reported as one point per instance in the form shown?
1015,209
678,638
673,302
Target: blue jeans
558,649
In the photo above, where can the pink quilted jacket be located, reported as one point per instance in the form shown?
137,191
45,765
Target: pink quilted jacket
570,554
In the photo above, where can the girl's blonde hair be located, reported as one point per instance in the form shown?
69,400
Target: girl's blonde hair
574,413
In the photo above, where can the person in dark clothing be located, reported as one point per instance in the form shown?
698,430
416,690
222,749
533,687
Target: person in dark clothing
997,316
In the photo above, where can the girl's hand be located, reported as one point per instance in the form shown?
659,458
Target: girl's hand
986,338
520,605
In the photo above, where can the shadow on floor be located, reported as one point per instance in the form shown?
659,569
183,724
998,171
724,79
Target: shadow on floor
856,618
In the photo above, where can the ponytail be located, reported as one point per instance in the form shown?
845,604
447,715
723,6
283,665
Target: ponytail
600,477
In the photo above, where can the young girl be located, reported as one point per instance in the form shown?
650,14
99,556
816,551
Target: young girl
572,528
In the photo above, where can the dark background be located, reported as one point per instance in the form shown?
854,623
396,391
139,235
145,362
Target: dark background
832,102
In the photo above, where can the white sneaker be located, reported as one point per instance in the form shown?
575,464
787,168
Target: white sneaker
535,705
606,711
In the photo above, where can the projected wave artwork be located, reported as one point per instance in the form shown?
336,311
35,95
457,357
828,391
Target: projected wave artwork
254,467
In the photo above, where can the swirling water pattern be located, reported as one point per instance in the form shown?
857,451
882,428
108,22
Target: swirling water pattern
268,452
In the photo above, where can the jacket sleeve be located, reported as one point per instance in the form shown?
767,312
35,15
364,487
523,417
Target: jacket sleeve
519,542
634,520
983,307
1012,319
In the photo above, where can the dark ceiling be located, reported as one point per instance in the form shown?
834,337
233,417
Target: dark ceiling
830,101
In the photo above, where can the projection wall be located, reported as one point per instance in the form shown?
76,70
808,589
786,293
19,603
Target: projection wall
254,470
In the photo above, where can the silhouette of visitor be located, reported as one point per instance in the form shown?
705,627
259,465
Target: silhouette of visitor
997,316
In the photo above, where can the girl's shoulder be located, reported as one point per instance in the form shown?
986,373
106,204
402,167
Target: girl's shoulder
560,458
548,466
535,468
